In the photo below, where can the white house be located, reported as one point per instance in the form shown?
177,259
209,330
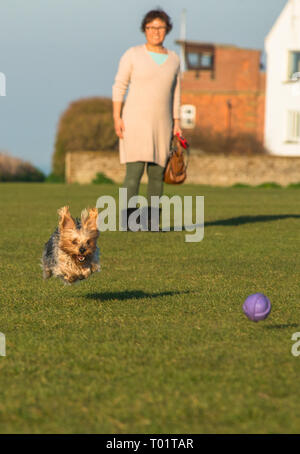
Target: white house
282,115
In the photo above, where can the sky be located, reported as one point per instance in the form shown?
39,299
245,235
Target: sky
53,52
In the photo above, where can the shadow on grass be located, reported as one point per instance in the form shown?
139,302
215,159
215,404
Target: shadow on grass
240,220
127,295
251,219
282,326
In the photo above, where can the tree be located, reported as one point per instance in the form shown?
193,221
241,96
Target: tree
86,125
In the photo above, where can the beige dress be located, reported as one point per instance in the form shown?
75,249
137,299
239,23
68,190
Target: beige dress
152,102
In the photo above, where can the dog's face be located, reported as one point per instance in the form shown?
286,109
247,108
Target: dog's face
81,243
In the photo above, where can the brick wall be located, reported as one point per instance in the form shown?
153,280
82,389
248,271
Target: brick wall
236,78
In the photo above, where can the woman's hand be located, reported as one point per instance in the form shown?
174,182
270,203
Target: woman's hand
119,127
176,127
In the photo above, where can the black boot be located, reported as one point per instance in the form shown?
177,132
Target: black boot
129,211
125,217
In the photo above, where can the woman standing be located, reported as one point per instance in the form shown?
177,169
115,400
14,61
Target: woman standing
152,109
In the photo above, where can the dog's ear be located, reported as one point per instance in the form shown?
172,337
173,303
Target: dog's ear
89,218
66,221
84,216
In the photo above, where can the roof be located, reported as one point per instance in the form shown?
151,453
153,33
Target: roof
211,45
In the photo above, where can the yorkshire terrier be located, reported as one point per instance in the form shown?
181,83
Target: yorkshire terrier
71,253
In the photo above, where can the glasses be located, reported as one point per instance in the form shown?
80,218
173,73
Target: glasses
153,29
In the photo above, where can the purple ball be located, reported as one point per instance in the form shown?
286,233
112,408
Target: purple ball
257,307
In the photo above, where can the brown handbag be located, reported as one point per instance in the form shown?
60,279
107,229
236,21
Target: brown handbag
176,167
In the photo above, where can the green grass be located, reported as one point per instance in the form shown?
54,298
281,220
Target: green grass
156,342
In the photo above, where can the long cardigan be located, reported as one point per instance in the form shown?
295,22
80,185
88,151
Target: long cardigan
153,101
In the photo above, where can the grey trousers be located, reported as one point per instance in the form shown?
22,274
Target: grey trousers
134,173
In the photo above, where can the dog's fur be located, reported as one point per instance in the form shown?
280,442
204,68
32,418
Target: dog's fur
71,253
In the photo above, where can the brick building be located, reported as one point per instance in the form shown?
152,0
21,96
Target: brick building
223,89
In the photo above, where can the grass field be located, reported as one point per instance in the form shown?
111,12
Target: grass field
156,342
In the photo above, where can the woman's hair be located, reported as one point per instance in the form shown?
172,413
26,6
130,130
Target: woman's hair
156,14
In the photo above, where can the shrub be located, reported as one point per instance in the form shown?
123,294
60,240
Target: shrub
15,169
102,178
268,185
86,125
241,185
294,186
52,178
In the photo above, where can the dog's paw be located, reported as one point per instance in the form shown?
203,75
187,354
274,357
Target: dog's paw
95,267
47,273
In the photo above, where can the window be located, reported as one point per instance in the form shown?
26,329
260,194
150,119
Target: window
193,60
199,59
293,126
206,60
188,116
294,63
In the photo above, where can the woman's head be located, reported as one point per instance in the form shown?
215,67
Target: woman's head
156,24
157,14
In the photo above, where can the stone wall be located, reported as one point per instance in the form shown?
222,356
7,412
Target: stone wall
217,170
225,171
82,166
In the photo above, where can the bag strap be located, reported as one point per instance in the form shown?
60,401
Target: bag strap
180,149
